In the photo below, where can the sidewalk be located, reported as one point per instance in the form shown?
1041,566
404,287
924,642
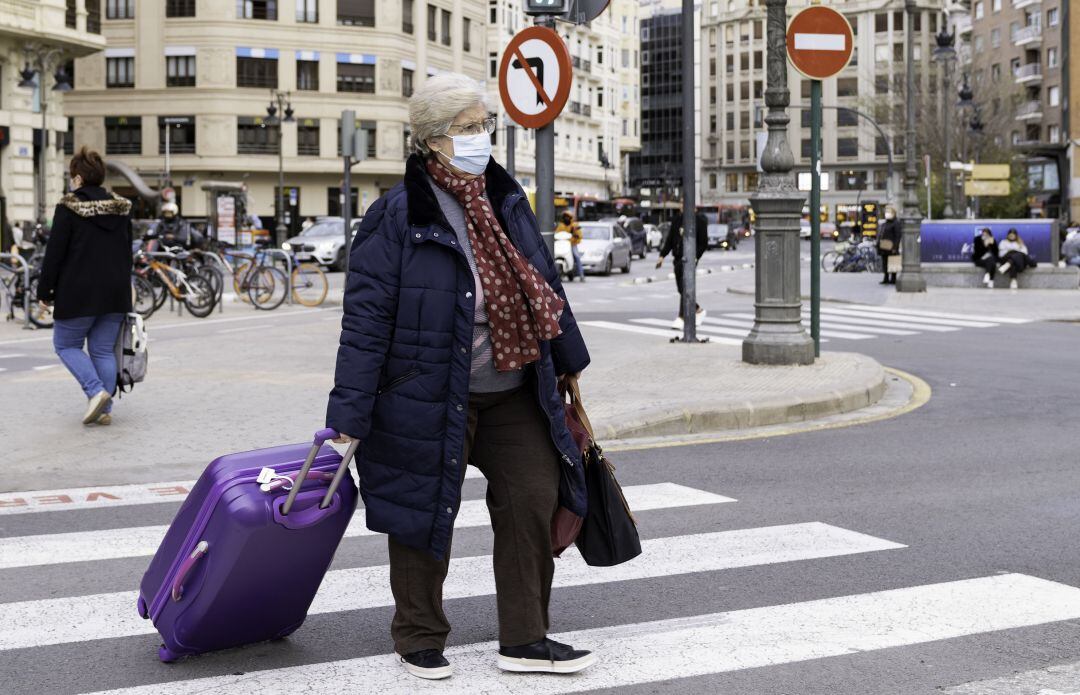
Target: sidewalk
231,387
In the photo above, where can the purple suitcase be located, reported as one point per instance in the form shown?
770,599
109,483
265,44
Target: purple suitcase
248,549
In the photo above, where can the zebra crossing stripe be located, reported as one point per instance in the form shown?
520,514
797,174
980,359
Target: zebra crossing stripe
940,315
878,326
112,544
665,333
38,623
908,318
652,652
707,327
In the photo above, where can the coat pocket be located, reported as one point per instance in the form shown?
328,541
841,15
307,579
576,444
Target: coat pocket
398,381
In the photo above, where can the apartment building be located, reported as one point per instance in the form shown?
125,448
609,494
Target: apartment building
854,156
656,171
1018,61
210,67
55,31
1071,97
601,123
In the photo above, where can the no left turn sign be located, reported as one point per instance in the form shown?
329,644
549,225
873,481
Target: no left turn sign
819,42
535,76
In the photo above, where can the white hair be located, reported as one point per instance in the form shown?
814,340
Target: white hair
434,106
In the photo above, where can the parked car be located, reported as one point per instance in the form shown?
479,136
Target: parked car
653,237
604,246
828,230
322,242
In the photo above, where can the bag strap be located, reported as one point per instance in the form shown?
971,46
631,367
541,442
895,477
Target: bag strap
570,387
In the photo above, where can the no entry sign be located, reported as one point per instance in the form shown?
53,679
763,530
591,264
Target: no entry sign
534,78
819,42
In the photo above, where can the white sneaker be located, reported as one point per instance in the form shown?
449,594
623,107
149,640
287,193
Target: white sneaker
986,278
96,405
1013,284
701,314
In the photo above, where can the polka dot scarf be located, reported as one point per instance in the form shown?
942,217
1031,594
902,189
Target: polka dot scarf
522,307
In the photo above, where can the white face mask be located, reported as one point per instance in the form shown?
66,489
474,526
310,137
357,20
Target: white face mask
75,183
471,153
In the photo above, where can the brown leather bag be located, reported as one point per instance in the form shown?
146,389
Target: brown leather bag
566,525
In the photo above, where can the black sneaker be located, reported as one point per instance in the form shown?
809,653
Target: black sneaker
545,656
428,663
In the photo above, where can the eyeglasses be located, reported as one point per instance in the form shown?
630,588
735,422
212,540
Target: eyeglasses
485,126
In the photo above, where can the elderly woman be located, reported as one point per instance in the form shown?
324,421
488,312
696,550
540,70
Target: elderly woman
455,335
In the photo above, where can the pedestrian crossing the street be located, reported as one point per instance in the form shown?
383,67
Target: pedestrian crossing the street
73,592
838,322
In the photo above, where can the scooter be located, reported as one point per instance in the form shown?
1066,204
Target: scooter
564,255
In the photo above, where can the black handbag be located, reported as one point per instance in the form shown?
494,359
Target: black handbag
609,534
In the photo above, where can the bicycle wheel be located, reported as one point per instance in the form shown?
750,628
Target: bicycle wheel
241,281
216,280
267,288
309,285
39,315
873,264
199,296
829,261
142,300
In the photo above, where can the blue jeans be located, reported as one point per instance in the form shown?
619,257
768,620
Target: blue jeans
579,271
95,371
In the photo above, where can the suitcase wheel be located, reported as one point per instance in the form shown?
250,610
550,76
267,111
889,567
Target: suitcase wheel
166,656
143,610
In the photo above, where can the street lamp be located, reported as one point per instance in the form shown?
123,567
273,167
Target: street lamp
910,278
280,103
945,53
38,61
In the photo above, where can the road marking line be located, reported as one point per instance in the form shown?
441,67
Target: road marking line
841,322
694,646
827,314
43,622
908,318
820,42
43,367
630,328
707,328
242,329
8,357
938,314
111,544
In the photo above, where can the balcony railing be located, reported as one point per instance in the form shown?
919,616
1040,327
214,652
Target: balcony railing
586,109
1017,4
1027,35
1030,109
587,65
1032,72
575,107
575,62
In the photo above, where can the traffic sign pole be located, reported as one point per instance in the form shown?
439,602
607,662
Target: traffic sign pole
815,215
545,170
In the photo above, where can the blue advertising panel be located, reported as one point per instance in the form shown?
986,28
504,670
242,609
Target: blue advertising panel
950,241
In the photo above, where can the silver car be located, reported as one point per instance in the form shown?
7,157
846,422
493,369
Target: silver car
322,242
604,246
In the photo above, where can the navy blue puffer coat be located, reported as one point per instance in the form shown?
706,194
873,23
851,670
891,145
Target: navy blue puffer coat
402,379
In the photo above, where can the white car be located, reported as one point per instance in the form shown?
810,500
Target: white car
322,242
604,246
653,237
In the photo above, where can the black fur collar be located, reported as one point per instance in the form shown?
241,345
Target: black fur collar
424,208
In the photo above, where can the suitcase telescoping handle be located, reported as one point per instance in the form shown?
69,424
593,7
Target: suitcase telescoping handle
321,437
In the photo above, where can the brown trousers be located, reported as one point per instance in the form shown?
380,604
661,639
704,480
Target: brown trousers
509,440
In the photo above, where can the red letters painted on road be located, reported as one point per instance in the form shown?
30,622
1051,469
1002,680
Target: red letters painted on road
53,499
17,502
174,490
95,496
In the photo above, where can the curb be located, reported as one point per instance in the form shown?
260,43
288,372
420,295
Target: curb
695,419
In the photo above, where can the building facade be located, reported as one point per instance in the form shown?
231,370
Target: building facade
1072,113
600,125
1018,65
854,155
42,35
210,67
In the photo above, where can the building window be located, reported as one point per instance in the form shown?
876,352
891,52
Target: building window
356,78
256,9
979,44
120,9
995,72
996,5
1052,17
1051,58
406,82
980,10
406,16
850,180
307,138
123,135
729,120
847,87
333,202
307,11
759,57
493,65
93,16
712,181
256,72
1054,96
307,75
466,34
432,34
253,136
847,147
180,71
356,13
179,8
732,183
69,137
881,22
881,84
806,148
445,27
729,148
846,118
120,72
368,126
181,131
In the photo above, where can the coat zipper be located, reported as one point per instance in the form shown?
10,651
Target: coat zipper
398,381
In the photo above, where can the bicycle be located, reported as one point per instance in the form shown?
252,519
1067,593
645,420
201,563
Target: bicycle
193,290
256,281
14,283
309,283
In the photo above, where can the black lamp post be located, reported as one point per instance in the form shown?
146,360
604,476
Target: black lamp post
39,60
945,53
280,103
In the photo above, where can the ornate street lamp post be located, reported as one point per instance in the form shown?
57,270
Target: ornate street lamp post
279,102
778,336
945,53
910,278
39,62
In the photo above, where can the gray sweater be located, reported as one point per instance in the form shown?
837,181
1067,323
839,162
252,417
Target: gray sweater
484,377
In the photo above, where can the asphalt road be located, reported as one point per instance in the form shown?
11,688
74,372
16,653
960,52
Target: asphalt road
976,487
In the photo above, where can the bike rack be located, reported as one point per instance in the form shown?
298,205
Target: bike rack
273,253
224,274
26,284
